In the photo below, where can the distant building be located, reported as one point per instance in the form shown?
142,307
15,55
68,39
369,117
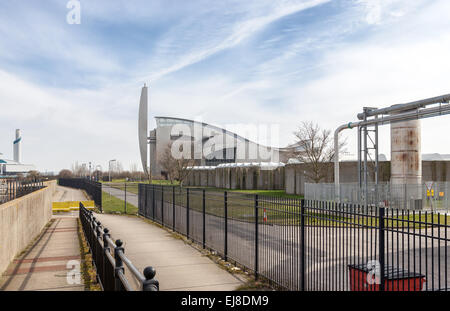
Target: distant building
14,167
226,146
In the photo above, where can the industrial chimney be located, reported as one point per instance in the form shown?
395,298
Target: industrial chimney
17,147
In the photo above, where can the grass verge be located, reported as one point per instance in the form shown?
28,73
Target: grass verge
113,205
88,272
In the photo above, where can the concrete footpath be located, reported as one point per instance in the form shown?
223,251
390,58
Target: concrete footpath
179,267
44,264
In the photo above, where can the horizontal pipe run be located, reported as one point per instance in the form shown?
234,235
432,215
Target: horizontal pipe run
382,120
408,106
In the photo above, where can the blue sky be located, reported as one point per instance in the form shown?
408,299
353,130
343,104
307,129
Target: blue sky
74,89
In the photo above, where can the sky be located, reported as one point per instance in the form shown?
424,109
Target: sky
73,89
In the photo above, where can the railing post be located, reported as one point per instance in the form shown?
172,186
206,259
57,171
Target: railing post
92,243
118,265
173,208
302,245
153,202
187,213
106,235
204,218
381,246
225,249
125,192
162,205
150,284
256,238
98,252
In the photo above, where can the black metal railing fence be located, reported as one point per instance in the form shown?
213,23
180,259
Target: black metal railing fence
110,260
93,188
11,189
309,245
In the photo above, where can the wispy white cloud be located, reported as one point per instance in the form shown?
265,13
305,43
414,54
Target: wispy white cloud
258,69
238,32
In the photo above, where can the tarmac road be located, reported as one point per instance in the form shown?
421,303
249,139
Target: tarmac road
329,250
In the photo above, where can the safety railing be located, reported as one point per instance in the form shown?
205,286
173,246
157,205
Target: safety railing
11,189
110,260
93,188
310,245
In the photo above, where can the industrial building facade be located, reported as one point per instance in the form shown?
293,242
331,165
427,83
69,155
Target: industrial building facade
209,145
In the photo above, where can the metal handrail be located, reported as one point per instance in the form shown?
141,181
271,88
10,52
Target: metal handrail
132,268
101,253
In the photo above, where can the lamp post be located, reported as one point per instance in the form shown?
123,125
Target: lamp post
109,179
98,171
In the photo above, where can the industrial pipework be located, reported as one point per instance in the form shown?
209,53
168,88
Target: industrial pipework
391,118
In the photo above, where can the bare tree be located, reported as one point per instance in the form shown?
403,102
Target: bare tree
33,175
176,169
65,174
315,148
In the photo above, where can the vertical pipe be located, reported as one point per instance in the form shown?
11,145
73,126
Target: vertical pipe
376,164
359,164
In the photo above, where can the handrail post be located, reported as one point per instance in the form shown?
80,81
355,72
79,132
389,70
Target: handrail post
98,235
150,284
106,249
118,265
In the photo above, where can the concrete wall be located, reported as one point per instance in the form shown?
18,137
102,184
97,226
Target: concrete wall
22,220
295,176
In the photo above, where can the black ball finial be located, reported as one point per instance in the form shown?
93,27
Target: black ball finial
149,273
119,243
105,230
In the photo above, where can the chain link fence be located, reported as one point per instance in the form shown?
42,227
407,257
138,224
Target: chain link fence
426,196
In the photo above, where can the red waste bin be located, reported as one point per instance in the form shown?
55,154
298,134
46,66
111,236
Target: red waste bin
395,279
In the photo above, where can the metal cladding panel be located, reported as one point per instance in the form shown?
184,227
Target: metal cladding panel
143,121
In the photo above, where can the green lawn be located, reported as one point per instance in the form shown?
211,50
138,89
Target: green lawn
154,182
111,204
269,193
280,208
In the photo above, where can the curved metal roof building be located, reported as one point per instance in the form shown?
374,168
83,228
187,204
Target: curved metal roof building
209,145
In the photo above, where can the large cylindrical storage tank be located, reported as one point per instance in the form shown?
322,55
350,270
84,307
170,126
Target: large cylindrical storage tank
406,164
406,159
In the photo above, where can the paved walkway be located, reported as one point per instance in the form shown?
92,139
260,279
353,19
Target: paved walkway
178,266
44,265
